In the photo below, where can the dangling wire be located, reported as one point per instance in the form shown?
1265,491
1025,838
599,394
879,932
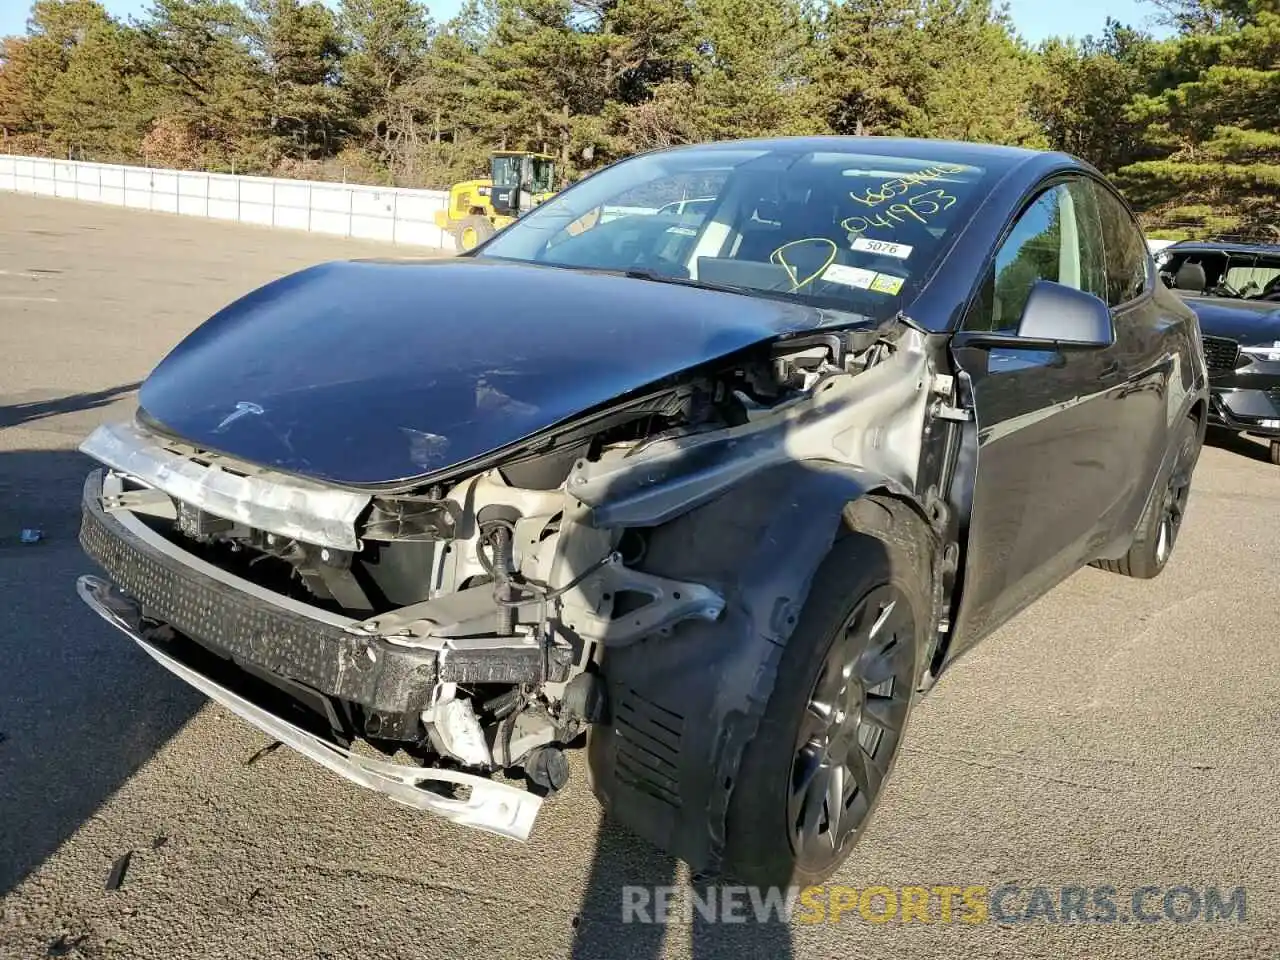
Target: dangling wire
540,591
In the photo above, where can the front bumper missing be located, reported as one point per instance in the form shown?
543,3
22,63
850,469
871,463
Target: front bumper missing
492,807
289,506
238,620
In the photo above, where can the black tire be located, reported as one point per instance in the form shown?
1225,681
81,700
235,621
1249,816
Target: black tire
1162,519
1275,452
774,833
473,231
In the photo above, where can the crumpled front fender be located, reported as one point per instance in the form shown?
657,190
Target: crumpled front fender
684,706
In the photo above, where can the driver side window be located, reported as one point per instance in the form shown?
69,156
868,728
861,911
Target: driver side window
1055,239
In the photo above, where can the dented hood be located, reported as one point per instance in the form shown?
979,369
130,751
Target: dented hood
370,372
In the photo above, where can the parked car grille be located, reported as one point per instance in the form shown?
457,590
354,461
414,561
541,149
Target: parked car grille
1220,354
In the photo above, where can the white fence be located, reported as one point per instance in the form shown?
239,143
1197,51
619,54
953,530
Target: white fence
347,210
394,214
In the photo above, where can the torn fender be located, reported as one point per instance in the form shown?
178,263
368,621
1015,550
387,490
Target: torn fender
684,706
868,422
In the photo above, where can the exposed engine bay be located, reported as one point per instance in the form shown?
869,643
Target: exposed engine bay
485,596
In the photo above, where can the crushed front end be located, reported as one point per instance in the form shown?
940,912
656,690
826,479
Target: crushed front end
417,623
479,623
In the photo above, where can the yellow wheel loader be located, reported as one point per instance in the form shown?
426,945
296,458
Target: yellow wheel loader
478,209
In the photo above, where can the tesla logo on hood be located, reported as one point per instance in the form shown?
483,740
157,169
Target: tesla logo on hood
243,409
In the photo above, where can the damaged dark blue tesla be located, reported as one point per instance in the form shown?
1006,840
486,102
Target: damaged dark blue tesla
715,488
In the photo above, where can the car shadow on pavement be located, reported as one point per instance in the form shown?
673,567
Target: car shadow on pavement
623,867
26,411
80,709
1246,446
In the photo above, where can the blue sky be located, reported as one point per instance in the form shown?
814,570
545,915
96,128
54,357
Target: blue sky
1035,19
1038,19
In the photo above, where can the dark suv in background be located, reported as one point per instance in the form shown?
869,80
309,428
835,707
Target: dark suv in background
1235,290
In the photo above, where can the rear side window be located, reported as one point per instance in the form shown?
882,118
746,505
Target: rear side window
1125,250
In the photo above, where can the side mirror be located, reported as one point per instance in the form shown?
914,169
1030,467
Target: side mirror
1067,316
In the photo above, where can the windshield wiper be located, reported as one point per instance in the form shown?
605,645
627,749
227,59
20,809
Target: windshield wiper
782,296
654,276
645,273
638,273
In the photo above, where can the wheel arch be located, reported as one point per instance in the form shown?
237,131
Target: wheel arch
1197,410
693,699
1200,413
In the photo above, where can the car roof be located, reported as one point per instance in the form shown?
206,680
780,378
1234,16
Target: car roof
1221,246
992,156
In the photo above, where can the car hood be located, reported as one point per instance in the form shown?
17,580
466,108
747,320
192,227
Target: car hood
1248,322
373,372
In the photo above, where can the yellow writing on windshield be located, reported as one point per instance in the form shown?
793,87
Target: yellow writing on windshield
902,185
922,207
779,257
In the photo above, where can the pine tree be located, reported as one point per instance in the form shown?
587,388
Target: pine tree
753,76
208,84
388,41
926,68
1083,92
981,78
1216,125
74,82
298,49
28,68
381,93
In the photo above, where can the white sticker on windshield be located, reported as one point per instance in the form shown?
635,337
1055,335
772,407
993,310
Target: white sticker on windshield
883,247
849,276
683,231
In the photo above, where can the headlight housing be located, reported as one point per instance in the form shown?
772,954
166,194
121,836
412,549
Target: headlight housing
1269,351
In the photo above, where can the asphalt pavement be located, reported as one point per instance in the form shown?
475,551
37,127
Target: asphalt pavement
1118,734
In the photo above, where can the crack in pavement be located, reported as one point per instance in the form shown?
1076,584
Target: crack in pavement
1024,773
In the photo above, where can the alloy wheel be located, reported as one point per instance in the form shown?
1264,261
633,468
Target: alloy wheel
851,727
1175,504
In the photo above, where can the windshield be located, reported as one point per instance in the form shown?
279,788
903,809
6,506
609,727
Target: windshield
843,230
543,175
506,171
1220,273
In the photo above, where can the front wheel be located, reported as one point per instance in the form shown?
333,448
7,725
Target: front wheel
833,724
472,232
1275,452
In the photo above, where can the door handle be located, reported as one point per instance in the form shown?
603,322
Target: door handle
1110,372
